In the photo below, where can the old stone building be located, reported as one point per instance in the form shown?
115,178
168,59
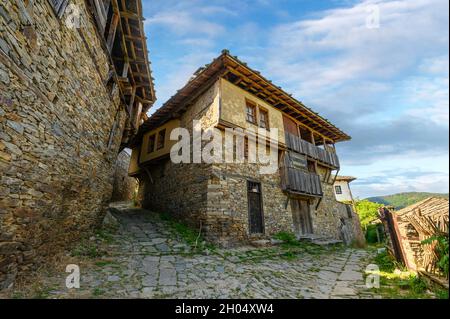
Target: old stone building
233,202
342,189
75,84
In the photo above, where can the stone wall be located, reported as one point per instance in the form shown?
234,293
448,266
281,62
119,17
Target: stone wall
56,116
181,189
330,215
227,199
124,187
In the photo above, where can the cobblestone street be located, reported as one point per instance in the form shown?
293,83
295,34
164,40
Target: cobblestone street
144,260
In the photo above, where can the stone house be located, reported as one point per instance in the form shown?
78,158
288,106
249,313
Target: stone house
234,202
75,85
342,189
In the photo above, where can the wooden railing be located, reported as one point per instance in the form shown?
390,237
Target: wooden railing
300,182
298,145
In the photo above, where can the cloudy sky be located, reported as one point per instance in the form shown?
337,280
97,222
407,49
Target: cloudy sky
379,70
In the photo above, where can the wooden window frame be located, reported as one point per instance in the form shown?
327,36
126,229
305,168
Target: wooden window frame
257,110
254,106
150,138
262,110
160,145
336,188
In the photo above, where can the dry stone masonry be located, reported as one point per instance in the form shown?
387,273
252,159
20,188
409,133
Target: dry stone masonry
61,126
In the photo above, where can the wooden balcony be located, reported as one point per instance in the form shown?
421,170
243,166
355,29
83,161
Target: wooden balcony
300,182
323,156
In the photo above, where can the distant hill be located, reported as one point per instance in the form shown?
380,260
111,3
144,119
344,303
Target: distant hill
402,200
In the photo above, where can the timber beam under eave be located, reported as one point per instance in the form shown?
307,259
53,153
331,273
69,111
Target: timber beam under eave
121,29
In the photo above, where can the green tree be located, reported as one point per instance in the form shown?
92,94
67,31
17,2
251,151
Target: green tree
367,211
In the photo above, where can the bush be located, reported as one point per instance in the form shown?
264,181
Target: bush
286,237
386,262
371,234
441,252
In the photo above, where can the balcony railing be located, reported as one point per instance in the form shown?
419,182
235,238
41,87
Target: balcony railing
298,145
300,182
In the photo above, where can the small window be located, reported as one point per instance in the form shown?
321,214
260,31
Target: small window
161,139
151,143
251,112
338,189
349,211
263,119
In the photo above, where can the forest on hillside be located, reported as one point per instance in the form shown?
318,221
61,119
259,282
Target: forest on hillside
402,200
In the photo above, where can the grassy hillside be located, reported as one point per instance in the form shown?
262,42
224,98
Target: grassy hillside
404,199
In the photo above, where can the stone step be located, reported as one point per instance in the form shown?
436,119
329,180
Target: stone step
319,240
327,242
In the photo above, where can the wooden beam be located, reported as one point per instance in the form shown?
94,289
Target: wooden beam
126,66
101,15
133,95
112,31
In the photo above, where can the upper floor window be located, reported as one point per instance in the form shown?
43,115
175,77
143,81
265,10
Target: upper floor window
151,143
161,139
251,112
338,189
263,119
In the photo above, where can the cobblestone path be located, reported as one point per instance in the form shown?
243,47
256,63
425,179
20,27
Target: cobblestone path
144,259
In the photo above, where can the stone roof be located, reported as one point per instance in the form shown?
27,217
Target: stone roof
232,68
345,178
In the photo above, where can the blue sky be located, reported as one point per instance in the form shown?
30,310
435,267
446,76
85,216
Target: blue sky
386,86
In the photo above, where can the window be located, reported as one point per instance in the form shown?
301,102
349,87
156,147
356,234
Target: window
161,139
349,211
338,189
263,119
151,143
251,112
311,167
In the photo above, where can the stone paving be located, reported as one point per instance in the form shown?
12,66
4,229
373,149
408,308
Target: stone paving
144,259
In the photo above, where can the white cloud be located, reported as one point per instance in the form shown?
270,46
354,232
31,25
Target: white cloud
177,74
433,97
184,22
338,46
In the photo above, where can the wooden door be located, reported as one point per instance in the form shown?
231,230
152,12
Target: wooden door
301,217
255,212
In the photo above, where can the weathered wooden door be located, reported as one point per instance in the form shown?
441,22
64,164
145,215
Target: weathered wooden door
255,212
301,217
